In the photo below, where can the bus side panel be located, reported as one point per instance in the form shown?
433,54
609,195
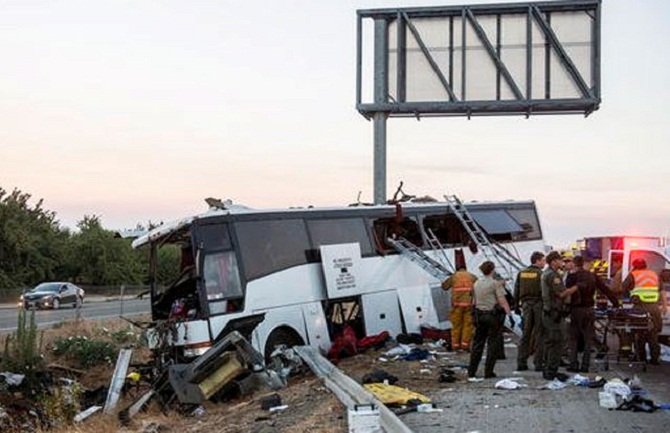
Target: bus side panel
316,326
297,285
417,307
391,272
290,316
382,313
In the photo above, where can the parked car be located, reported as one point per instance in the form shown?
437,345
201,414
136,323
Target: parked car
52,295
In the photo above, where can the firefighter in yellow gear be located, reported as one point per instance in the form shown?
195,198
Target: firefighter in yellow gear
460,316
643,285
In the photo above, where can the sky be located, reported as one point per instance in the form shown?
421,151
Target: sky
137,111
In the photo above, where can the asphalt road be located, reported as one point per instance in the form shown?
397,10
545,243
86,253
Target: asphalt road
90,310
479,407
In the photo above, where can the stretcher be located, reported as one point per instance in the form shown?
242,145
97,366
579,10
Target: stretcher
630,328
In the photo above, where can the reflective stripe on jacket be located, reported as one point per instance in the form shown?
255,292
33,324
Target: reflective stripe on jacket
646,285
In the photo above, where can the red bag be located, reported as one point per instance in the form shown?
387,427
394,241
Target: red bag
373,340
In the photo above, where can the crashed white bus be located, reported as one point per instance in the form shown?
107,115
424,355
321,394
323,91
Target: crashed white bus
306,271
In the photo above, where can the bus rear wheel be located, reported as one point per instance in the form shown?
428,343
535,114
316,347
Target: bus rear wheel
286,336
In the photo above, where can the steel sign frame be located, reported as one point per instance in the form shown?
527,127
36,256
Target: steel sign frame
584,96
524,103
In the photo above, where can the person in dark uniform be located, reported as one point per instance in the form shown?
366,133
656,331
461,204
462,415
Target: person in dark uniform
582,316
553,315
528,296
490,303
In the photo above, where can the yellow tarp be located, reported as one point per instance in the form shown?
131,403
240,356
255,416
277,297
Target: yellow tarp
391,394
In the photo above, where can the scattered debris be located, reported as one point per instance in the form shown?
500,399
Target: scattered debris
118,378
665,353
285,362
12,379
509,384
442,337
399,350
579,380
81,416
379,376
394,395
411,338
617,387
270,401
599,382
417,354
128,413
427,408
608,400
198,411
347,390
554,385
364,419
279,408
447,376
638,404
203,377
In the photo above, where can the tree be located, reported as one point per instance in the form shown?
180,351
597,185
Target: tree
32,244
100,258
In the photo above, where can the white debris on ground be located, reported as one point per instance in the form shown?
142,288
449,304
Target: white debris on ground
12,379
554,385
510,383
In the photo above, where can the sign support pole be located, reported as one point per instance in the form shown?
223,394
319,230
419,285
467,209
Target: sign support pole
380,157
379,119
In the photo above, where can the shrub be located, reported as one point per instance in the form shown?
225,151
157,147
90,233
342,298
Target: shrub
84,351
124,337
61,404
22,349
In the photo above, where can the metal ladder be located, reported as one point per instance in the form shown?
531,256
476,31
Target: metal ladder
420,258
492,250
436,245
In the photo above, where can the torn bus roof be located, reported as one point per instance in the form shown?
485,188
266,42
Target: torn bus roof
174,226
162,231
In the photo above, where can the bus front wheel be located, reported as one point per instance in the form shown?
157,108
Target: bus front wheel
284,335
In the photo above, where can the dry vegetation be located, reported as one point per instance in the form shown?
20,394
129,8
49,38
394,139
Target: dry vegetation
311,407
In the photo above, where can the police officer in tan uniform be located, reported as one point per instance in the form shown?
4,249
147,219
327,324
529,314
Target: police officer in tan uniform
490,304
